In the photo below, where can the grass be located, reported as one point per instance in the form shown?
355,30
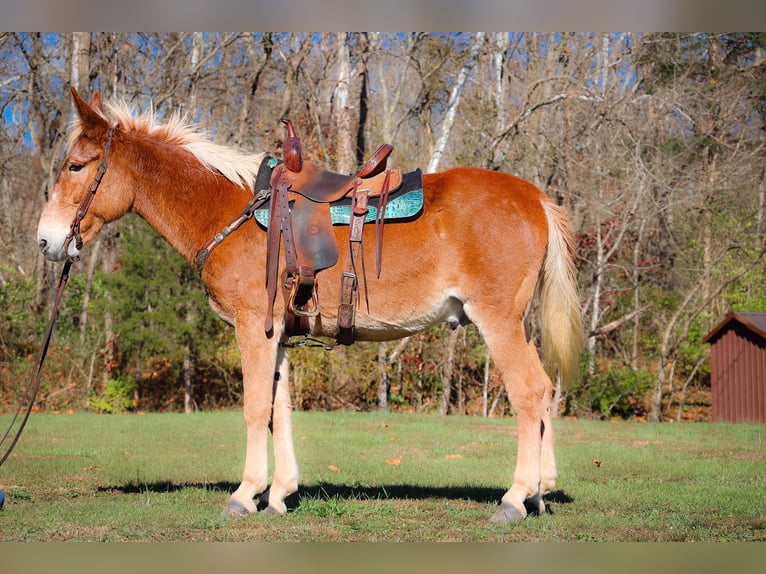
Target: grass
372,477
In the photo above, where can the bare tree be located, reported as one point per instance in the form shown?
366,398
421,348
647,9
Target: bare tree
345,158
454,102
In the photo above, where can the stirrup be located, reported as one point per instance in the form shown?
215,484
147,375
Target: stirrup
301,281
307,310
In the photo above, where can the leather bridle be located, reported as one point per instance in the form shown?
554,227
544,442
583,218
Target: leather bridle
27,400
82,210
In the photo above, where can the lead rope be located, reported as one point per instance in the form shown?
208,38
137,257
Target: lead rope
33,386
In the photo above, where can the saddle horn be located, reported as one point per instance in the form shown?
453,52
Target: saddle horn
291,148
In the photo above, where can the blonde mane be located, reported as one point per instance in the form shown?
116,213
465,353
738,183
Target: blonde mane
238,167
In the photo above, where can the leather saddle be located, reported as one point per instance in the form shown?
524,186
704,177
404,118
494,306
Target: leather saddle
299,220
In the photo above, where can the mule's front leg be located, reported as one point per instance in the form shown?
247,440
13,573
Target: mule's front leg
285,465
258,366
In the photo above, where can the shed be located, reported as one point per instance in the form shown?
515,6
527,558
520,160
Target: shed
738,368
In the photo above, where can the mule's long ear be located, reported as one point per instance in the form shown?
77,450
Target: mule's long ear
91,116
95,103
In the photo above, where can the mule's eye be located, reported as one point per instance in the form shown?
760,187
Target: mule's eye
75,167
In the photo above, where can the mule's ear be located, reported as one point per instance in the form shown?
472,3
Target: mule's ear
90,116
95,103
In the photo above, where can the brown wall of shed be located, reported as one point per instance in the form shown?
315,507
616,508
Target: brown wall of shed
738,364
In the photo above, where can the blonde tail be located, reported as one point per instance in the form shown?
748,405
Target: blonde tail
561,317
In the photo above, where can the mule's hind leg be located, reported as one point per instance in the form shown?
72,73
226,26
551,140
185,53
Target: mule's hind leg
285,480
528,388
258,367
547,456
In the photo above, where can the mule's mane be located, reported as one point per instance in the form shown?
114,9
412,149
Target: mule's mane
238,167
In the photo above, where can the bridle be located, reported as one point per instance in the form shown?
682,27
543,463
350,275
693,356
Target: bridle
82,210
27,400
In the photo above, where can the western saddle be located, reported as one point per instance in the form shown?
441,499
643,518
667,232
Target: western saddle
299,214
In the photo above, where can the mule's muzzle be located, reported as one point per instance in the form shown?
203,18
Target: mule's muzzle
53,245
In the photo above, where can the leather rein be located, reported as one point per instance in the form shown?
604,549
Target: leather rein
27,401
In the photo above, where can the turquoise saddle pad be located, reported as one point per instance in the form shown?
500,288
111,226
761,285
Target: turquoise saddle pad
404,207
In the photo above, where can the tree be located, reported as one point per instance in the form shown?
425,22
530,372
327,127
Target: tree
452,105
652,142
704,80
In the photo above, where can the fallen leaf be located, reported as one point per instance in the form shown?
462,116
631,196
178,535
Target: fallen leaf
454,456
333,468
393,461
597,462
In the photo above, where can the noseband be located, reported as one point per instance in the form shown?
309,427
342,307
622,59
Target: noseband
33,386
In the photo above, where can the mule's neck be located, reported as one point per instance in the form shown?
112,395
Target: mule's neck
183,200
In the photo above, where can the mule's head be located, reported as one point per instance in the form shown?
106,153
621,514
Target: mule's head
78,171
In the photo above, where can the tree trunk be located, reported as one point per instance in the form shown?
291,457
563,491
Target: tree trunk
655,407
194,58
760,228
188,375
384,359
558,396
485,387
249,101
498,62
345,157
595,315
452,105
80,75
636,277
111,357
383,382
189,361
43,128
449,368
93,259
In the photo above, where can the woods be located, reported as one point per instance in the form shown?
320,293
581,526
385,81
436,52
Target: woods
654,143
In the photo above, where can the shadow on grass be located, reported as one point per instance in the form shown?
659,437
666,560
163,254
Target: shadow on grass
328,491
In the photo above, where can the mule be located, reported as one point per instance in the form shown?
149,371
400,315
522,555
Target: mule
485,244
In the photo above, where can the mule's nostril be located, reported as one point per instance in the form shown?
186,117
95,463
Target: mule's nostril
43,243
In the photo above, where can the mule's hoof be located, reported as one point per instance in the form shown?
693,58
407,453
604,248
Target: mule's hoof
271,511
268,506
535,506
234,508
507,513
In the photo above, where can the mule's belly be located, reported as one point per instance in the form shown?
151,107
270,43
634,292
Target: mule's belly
377,325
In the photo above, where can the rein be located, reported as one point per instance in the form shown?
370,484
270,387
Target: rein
33,386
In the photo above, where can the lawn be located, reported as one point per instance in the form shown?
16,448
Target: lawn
375,477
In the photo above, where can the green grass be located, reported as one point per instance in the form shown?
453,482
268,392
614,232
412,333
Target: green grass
372,477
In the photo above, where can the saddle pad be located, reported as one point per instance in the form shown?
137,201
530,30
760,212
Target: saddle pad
405,204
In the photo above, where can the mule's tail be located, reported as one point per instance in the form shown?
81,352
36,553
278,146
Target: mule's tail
561,317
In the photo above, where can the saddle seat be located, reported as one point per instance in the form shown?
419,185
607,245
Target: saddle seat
323,186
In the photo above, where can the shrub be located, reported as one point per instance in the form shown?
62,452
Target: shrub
117,396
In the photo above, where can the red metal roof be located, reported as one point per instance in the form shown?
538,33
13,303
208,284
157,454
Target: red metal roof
755,322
